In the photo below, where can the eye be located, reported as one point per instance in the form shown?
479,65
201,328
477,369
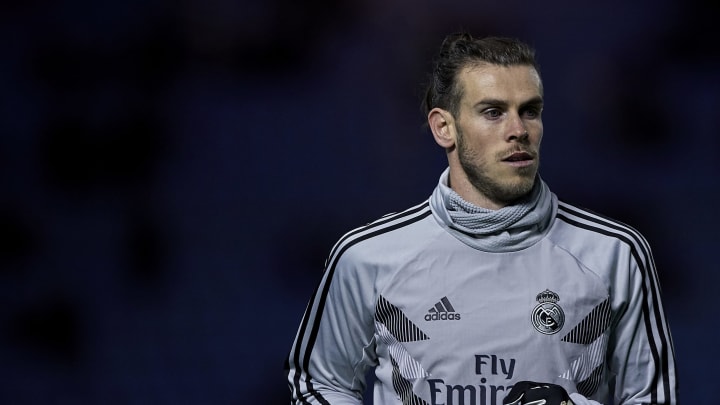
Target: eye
492,113
531,113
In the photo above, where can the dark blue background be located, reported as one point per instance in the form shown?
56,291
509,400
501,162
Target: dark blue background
173,174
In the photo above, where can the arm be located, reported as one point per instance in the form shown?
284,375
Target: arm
334,345
640,349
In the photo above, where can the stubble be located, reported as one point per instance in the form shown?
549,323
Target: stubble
478,171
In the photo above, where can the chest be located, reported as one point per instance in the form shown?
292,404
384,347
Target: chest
488,313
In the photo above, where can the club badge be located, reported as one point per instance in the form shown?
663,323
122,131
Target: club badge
547,316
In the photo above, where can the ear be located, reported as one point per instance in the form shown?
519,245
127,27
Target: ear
442,125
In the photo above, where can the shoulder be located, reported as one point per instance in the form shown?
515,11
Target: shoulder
381,233
575,225
584,219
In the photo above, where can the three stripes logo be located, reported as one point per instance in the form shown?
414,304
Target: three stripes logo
442,311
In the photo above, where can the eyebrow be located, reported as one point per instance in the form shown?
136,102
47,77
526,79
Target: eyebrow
502,103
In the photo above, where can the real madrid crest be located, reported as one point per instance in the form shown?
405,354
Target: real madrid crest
547,316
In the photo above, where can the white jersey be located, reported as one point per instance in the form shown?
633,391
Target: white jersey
443,319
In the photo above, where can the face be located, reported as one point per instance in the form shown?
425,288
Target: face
498,129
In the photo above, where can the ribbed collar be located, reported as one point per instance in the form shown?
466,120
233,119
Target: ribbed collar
508,229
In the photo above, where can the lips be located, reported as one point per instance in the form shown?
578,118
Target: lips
518,157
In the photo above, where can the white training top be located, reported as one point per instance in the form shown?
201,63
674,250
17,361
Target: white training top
444,320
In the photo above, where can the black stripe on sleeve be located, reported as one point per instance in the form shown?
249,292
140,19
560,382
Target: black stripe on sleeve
635,241
384,225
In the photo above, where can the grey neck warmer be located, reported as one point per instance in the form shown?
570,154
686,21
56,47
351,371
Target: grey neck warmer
510,228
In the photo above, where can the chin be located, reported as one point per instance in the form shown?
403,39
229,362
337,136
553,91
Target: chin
513,191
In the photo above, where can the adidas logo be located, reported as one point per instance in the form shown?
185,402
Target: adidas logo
442,311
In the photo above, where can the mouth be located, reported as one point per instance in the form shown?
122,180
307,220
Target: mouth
519,159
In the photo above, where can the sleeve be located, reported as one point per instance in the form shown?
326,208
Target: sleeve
640,348
334,346
640,352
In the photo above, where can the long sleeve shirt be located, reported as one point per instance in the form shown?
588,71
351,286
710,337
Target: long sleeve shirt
443,316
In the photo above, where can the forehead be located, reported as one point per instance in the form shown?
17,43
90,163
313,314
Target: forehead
509,83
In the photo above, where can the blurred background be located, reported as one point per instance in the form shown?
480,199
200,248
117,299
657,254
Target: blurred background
174,174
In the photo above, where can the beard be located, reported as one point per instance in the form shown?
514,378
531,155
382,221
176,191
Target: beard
495,188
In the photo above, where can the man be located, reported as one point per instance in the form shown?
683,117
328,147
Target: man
492,290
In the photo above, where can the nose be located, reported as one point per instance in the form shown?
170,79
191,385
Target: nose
516,130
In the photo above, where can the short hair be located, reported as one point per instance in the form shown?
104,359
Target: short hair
461,50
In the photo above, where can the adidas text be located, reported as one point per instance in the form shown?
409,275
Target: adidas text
442,316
